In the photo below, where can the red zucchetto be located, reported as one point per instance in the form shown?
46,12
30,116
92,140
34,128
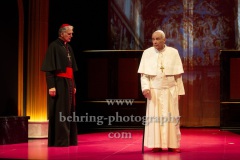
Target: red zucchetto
64,25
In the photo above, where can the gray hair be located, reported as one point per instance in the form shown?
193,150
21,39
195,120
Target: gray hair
64,29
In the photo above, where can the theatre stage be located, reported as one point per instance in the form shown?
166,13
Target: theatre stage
196,144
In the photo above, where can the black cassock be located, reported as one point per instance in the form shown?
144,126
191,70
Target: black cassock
62,131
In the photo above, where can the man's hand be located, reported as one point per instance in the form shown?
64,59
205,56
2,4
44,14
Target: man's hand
147,94
52,92
75,90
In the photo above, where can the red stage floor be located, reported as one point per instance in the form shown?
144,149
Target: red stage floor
196,144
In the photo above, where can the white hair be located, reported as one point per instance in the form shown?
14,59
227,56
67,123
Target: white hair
63,29
162,33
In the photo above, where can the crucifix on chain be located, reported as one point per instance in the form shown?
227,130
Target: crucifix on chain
69,57
160,59
162,68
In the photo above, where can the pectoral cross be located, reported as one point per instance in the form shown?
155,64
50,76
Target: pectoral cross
160,60
69,57
162,68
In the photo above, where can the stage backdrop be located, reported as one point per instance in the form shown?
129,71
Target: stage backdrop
199,29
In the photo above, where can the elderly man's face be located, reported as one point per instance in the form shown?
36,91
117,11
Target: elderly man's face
158,41
67,35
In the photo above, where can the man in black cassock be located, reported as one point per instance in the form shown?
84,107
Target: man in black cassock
59,65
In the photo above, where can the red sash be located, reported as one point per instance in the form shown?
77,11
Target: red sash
67,74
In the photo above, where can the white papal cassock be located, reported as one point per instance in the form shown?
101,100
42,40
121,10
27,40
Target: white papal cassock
162,128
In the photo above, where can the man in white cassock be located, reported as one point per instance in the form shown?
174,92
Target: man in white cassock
161,82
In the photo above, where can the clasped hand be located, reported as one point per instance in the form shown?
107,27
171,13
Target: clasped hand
52,91
147,94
